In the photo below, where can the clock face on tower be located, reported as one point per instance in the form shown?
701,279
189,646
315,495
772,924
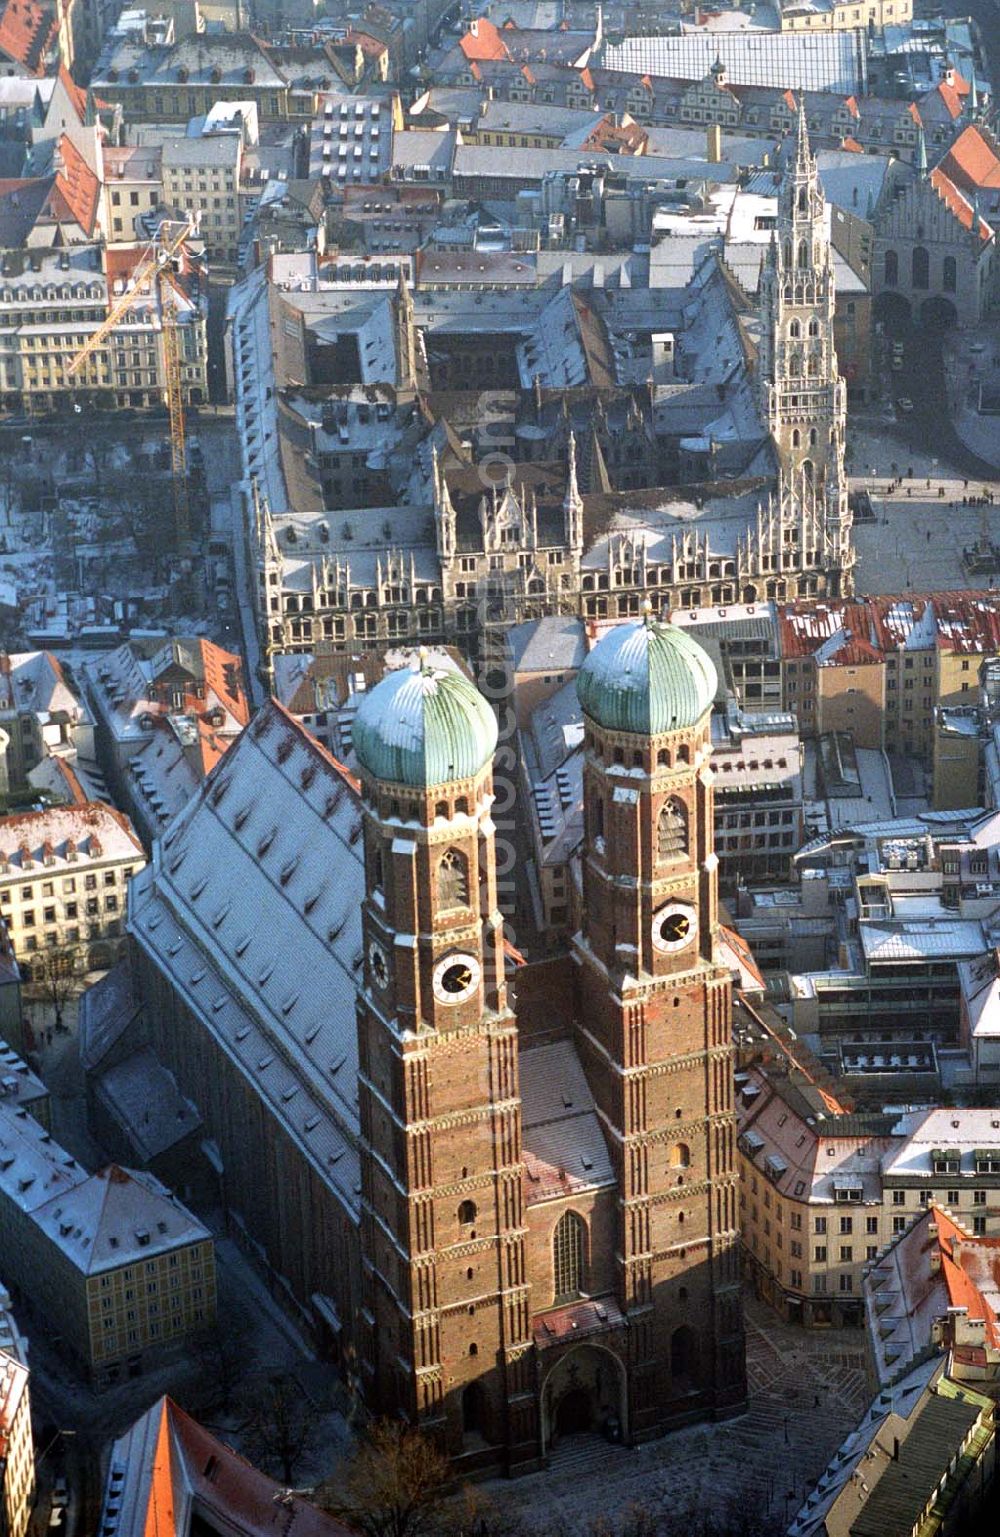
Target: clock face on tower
674,926
456,978
378,964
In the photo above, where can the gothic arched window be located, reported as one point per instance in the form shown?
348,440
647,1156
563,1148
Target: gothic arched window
453,880
803,253
680,1156
672,830
891,269
567,1256
796,437
814,328
802,200
921,267
812,437
795,329
949,277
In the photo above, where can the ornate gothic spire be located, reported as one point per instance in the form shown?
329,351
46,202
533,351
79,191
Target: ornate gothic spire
572,501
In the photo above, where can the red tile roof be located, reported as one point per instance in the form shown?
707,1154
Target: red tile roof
483,41
76,93
952,94
190,1469
958,204
965,1257
77,191
27,33
972,163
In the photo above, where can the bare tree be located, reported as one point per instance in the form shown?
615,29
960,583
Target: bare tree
280,1426
54,972
393,1486
223,1352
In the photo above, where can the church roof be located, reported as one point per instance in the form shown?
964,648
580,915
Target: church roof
256,889
647,677
424,725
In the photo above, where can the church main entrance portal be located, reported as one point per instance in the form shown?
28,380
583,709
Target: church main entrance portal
584,1391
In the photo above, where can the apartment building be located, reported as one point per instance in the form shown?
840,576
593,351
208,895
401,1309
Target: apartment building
201,176
132,189
811,1212
844,15
17,1447
824,1193
111,1259
881,667
63,879
40,713
168,82
757,762
52,302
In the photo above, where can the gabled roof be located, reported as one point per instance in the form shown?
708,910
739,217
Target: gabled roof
950,93
76,95
483,41
76,192
114,1217
167,1469
958,204
972,162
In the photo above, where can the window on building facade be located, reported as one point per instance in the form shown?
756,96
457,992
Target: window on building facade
453,880
672,830
567,1256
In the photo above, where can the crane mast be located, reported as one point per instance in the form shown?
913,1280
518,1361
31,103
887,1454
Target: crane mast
152,276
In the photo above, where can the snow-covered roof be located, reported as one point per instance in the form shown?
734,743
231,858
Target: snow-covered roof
98,1221
564,1147
65,838
117,1217
33,683
824,61
928,939
252,909
945,1128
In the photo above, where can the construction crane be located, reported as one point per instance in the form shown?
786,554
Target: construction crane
149,278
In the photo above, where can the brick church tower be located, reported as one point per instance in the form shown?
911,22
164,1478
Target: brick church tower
654,1023
549,1231
446,1320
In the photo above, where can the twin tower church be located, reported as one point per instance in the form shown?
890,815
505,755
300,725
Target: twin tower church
548,1208
500,1195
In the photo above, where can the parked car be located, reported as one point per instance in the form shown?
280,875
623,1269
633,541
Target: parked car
904,404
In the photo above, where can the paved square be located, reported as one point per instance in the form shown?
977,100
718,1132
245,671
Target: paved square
807,1392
